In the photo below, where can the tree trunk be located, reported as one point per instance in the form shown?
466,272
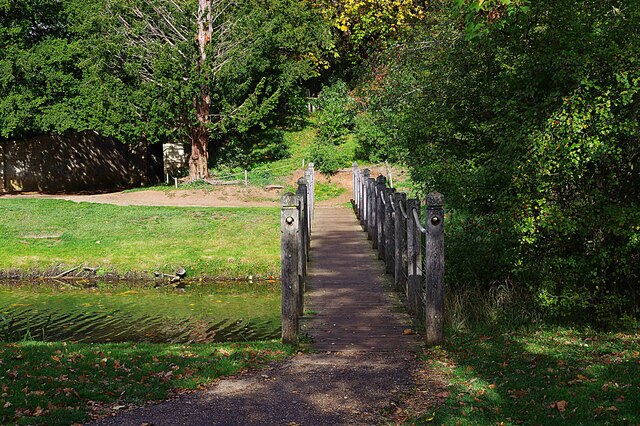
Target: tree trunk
199,160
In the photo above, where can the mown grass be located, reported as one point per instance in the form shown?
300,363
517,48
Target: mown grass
539,376
65,383
215,242
327,191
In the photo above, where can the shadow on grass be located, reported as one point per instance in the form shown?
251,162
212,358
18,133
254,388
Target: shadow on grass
540,376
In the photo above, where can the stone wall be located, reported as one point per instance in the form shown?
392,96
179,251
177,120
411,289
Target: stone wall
76,162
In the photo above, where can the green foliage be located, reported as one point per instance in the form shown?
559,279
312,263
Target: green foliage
366,27
131,70
39,71
327,159
525,115
248,149
375,141
334,120
336,111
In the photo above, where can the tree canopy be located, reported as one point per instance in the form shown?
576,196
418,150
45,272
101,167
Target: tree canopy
525,114
205,71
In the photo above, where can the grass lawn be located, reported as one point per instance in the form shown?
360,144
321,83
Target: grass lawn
65,383
539,376
217,242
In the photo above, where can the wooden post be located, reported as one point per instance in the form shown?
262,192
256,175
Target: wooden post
389,232
400,232
289,244
246,178
380,187
354,184
371,219
307,177
434,269
363,197
311,187
359,209
413,256
302,258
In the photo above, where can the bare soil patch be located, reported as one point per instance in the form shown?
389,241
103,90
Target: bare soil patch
215,196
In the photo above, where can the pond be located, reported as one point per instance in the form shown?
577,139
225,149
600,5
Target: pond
137,312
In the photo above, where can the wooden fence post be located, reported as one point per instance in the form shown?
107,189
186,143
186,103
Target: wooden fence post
434,269
311,187
389,231
400,233
354,183
363,198
307,178
371,206
290,247
380,187
414,238
302,258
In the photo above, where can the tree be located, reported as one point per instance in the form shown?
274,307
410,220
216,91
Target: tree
525,115
245,58
178,53
367,27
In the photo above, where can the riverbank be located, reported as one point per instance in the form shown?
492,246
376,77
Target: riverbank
47,237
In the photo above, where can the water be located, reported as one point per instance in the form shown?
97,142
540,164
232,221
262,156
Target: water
106,312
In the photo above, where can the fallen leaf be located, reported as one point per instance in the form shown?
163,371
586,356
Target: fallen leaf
7,405
562,405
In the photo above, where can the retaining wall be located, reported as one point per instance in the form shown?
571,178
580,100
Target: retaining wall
76,162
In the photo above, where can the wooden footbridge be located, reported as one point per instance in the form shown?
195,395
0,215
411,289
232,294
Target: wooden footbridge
333,279
337,267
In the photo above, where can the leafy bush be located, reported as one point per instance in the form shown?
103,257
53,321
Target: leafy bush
336,111
373,141
244,150
327,158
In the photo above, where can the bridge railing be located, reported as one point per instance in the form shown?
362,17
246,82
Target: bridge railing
413,252
296,220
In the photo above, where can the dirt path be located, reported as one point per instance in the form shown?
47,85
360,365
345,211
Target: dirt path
364,362
215,196
226,196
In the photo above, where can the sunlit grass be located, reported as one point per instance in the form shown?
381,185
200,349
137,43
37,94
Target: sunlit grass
216,242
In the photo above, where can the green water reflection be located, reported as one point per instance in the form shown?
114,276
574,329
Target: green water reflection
138,312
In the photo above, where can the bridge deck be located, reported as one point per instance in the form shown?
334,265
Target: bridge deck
347,291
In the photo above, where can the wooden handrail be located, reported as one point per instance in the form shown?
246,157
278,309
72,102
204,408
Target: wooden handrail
393,224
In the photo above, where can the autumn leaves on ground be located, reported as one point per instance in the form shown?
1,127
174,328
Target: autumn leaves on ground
539,375
66,383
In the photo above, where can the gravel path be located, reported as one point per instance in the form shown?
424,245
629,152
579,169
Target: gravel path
364,362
